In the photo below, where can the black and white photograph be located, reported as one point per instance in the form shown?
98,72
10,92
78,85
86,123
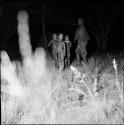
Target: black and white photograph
62,62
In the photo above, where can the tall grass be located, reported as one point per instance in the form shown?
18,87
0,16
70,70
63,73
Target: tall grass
33,91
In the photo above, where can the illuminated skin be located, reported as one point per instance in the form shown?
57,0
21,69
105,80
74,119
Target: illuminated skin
81,37
68,46
53,44
60,37
60,50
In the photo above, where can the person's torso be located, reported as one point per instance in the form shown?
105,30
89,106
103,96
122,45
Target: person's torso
60,46
68,45
82,34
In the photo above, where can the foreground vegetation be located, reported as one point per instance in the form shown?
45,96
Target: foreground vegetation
33,91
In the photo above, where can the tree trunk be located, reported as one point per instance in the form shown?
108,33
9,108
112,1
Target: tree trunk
101,35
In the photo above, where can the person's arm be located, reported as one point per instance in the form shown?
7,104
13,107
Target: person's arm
50,43
64,47
75,37
70,44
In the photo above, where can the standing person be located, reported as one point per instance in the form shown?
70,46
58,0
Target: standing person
53,44
68,46
60,51
82,38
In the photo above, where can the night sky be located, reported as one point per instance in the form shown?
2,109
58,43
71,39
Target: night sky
62,17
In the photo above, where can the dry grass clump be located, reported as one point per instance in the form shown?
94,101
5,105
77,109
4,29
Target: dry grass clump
69,97
100,99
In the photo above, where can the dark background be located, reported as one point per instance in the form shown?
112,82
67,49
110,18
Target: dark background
62,17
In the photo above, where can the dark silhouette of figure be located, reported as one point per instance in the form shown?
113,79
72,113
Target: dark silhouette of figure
53,44
68,46
81,37
60,52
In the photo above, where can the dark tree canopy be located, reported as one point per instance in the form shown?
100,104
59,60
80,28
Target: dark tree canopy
100,19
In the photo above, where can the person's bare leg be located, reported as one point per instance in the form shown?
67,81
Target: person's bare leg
68,61
77,55
65,62
68,58
56,59
62,60
83,54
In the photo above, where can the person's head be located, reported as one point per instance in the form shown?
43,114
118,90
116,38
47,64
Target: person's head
80,21
60,36
54,36
67,38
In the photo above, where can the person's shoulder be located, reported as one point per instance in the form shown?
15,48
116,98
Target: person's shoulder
82,26
52,40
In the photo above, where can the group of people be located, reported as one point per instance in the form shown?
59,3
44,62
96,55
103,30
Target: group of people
61,46
60,49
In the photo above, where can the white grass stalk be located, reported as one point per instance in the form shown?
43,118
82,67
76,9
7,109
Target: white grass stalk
77,75
117,81
94,86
